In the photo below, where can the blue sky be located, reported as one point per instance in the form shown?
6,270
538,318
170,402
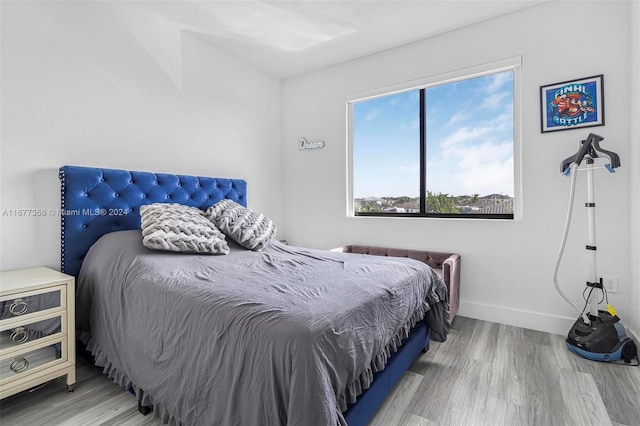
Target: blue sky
469,140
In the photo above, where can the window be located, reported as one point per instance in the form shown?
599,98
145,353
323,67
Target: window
445,148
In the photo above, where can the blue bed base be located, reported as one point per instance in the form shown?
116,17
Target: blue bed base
360,413
96,201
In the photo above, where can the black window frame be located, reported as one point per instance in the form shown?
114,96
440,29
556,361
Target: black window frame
423,169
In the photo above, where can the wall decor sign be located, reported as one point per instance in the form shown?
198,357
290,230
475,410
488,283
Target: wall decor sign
572,104
304,144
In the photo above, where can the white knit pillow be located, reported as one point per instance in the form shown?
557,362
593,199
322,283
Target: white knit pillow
175,227
249,229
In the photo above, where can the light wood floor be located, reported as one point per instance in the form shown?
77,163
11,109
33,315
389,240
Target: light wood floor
484,374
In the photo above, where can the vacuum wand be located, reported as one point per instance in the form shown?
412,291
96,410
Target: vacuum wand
592,277
589,150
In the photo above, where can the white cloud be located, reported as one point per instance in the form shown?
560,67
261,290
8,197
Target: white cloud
479,155
412,168
502,121
412,125
492,177
459,117
494,101
373,113
462,136
486,178
472,161
465,135
498,81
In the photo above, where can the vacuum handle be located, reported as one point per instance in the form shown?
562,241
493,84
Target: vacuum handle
590,147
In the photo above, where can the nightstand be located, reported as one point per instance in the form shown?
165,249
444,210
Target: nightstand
37,329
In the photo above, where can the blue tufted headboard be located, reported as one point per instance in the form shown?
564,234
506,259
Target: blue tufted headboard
97,201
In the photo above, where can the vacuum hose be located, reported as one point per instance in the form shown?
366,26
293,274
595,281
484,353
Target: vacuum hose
573,170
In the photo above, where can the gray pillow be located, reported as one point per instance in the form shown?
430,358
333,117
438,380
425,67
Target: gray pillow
175,227
250,229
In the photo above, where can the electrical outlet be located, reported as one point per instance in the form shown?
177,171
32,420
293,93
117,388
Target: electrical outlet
610,284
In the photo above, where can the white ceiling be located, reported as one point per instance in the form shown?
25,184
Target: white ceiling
286,38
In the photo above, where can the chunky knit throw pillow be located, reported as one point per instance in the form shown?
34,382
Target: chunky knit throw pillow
175,227
250,229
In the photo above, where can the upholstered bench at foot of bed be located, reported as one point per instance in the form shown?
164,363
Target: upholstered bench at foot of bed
447,265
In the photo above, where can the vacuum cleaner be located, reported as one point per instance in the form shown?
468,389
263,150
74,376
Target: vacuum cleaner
598,334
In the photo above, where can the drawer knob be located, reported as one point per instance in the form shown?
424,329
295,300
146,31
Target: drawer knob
19,335
18,307
19,364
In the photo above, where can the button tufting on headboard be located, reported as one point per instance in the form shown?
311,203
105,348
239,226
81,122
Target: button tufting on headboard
96,201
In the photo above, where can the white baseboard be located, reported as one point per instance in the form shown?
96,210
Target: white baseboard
634,336
525,319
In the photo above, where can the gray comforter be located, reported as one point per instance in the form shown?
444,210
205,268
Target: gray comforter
286,336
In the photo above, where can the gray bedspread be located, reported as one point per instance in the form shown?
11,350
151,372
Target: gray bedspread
286,336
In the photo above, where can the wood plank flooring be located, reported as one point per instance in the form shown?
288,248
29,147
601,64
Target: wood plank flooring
484,374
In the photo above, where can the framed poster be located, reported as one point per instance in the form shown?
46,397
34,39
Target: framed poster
572,104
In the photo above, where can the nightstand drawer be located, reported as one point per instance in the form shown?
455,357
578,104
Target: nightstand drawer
32,302
15,336
37,331
30,362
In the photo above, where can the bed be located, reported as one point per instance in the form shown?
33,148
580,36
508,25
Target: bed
286,335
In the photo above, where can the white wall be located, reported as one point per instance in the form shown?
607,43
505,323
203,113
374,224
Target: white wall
84,83
87,84
506,265
634,162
